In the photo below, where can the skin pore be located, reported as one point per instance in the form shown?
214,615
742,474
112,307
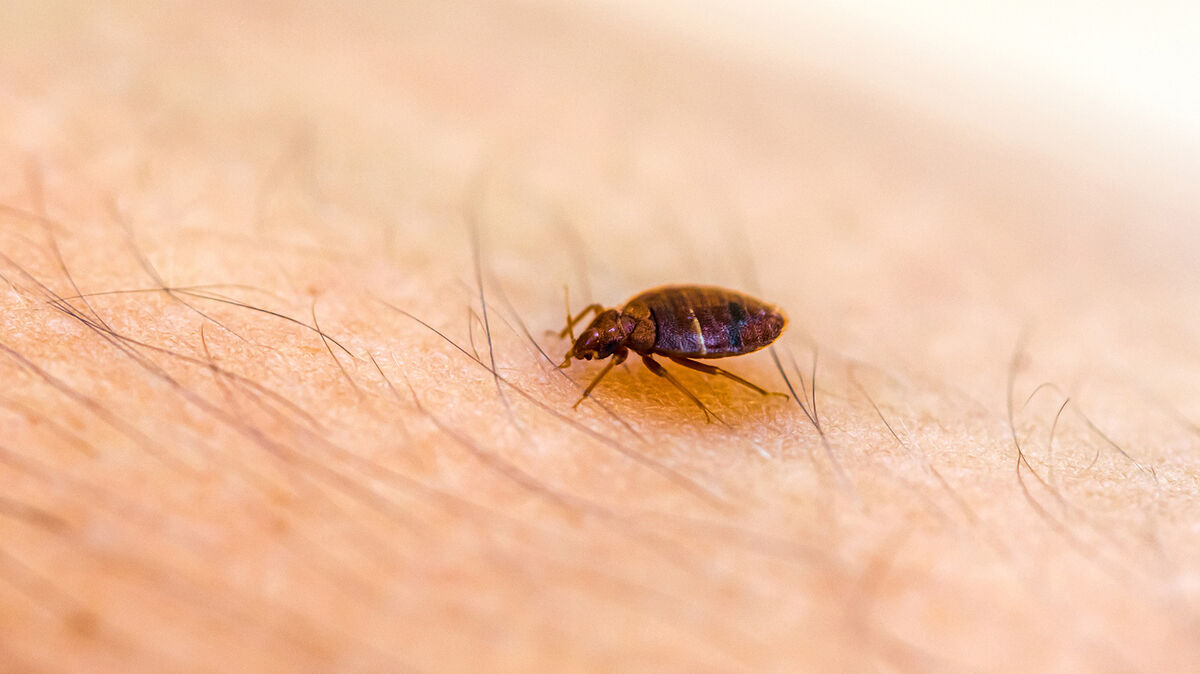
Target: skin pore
278,290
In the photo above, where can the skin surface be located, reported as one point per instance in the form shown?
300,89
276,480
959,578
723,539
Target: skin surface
280,464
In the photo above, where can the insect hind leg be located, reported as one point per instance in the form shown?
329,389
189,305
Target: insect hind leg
655,367
712,369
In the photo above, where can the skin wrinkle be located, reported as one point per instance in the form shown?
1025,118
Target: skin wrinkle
196,474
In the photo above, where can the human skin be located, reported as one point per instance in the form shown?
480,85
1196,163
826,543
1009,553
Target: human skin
247,447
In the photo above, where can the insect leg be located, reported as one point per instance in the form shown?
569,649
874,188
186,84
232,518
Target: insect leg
617,359
570,329
661,371
712,369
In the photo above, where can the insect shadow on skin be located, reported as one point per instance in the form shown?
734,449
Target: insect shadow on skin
682,323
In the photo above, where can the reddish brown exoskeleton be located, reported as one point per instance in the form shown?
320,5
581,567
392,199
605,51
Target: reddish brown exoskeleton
682,323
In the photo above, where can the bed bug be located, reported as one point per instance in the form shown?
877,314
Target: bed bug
679,322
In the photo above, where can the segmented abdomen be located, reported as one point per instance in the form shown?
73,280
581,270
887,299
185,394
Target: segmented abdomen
709,322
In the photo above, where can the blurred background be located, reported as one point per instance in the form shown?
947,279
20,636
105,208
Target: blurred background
1114,80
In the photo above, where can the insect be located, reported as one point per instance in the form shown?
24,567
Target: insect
682,323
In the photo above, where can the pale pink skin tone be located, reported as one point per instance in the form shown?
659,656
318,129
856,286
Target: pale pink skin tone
278,511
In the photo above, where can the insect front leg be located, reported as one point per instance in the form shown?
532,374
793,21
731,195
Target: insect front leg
617,359
570,329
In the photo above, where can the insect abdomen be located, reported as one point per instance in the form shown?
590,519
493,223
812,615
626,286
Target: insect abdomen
709,322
